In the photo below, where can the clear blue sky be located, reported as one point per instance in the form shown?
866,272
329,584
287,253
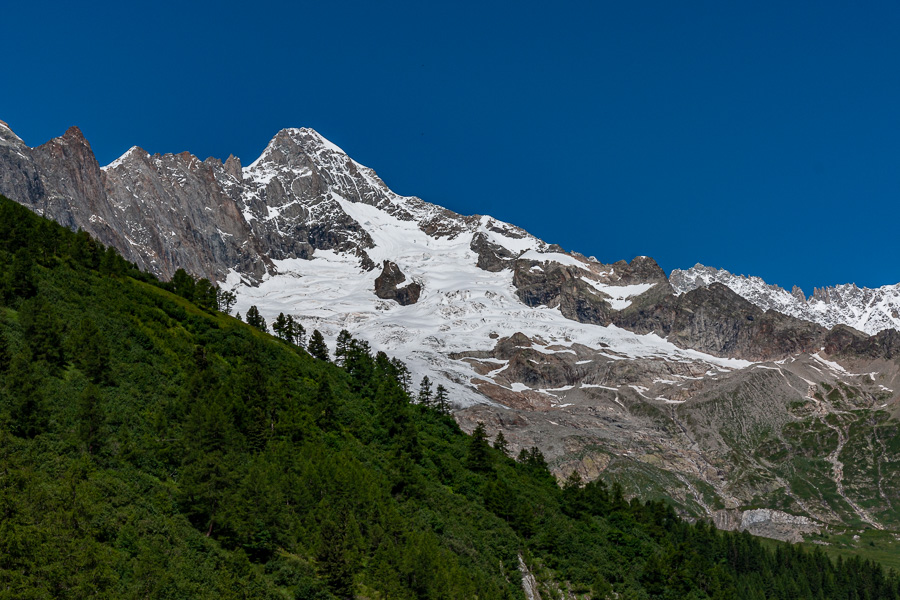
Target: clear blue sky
759,137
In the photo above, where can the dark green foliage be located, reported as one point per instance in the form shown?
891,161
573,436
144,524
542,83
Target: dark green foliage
343,346
254,319
225,299
441,400
425,394
479,450
289,330
42,330
183,284
199,458
317,347
89,351
500,443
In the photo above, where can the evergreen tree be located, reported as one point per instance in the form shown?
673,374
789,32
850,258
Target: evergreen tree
184,285
280,328
325,405
404,378
254,319
226,300
424,398
206,295
343,345
500,443
317,347
479,450
296,331
440,400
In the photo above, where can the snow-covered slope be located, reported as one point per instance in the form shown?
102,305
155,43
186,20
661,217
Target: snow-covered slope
462,308
865,309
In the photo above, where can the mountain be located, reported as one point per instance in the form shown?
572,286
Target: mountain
868,310
700,394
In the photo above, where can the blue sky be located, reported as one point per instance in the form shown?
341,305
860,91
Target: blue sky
759,137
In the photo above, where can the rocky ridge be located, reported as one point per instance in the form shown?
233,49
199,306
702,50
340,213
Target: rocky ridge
865,309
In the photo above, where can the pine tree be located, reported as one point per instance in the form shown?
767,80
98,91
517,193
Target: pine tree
317,347
325,405
184,285
280,328
206,295
296,331
500,443
403,375
344,340
225,300
254,319
440,400
479,450
424,397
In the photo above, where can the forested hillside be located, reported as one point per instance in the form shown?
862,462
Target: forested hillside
153,447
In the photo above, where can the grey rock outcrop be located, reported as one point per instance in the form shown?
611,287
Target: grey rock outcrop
386,286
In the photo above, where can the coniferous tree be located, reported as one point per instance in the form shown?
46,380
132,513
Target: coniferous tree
226,300
440,400
238,317
325,405
343,346
479,450
184,285
404,378
317,347
500,443
296,331
254,319
280,328
206,295
425,395
5,355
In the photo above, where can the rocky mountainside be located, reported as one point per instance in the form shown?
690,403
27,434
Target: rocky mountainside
701,387
868,310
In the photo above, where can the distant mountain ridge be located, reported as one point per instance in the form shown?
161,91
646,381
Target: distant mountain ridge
865,309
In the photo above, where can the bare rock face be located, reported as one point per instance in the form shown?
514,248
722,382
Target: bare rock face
386,286
765,522
491,257
716,320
